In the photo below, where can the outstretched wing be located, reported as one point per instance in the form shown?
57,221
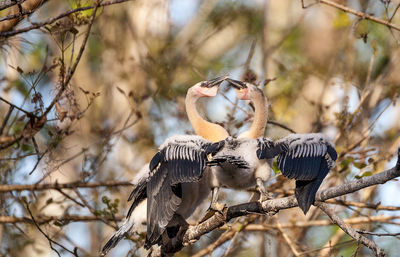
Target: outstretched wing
179,160
304,157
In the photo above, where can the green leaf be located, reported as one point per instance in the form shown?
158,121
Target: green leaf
275,167
365,174
27,148
359,165
341,21
345,163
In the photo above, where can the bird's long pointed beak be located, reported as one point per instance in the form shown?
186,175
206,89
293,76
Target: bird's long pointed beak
236,83
214,82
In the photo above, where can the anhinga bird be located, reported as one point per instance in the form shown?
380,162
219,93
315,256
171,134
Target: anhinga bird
246,161
186,168
177,180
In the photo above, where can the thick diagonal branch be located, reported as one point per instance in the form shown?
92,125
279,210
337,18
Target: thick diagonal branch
349,230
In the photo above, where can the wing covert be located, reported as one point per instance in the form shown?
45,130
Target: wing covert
305,156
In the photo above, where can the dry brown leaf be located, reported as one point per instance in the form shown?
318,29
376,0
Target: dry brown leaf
33,126
61,112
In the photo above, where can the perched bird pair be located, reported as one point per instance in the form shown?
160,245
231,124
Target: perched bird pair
186,168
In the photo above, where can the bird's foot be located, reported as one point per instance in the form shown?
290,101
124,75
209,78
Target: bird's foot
190,242
264,196
217,207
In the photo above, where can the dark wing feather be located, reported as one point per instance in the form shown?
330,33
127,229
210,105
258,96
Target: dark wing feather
139,193
177,162
304,157
268,150
308,159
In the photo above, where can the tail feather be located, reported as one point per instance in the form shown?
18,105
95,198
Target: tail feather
113,241
305,192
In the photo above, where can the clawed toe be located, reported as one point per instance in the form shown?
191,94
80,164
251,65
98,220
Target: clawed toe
217,207
264,196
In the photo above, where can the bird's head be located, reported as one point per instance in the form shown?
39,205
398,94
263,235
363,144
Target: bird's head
208,88
243,90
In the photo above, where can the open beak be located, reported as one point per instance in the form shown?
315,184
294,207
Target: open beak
236,83
214,82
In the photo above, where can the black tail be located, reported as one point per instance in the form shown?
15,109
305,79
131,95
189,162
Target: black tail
122,231
305,192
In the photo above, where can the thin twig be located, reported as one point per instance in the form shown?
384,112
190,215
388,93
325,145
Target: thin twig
72,69
360,14
281,125
51,241
377,234
377,206
6,119
29,114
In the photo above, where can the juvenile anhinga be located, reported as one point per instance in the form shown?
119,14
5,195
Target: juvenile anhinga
177,179
246,161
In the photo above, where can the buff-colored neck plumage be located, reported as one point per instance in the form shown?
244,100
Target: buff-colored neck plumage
207,130
260,115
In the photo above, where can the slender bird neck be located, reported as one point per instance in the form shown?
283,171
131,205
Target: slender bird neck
260,117
207,130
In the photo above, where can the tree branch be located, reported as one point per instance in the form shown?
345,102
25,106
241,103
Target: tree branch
38,25
8,3
57,186
42,219
275,205
360,14
28,6
349,230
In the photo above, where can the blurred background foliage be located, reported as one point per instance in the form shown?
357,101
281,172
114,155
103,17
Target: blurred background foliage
327,71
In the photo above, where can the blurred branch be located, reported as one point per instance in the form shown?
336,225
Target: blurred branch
72,69
226,236
377,206
377,234
319,223
289,242
264,41
20,9
38,25
42,219
281,125
8,3
57,186
6,119
357,13
192,27
349,230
